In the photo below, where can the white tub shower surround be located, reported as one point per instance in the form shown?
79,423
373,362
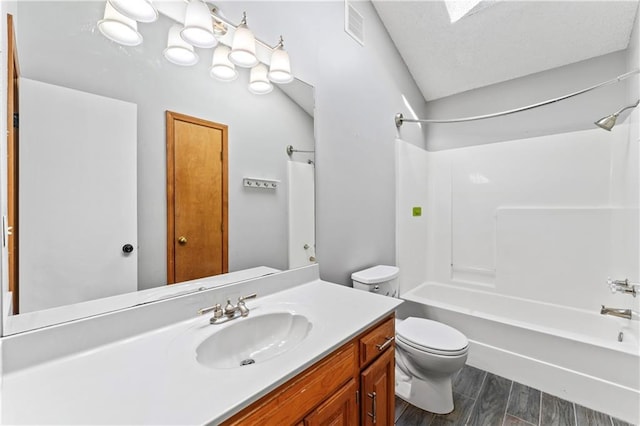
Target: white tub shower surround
514,246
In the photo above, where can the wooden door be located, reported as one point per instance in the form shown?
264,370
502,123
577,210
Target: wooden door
339,410
378,394
13,75
197,235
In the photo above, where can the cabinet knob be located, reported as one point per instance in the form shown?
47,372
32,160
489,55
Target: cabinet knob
182,240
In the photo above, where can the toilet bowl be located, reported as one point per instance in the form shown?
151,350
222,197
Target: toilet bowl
428,353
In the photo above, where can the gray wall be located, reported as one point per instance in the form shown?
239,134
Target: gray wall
260,127
359,89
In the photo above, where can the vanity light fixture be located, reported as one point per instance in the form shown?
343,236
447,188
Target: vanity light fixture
259,84
221,66
280,68
204,27
138,10
198,25
243,48
119,28
178,51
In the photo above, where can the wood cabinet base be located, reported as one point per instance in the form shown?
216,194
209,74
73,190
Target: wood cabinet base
335,391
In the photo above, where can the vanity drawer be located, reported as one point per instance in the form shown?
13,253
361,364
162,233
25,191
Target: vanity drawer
288,404
376,341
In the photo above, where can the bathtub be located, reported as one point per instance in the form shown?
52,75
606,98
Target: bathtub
571,353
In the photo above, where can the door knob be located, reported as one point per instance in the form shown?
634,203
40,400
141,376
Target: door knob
182,240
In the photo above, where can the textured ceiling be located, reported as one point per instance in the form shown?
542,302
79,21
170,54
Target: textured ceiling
506,40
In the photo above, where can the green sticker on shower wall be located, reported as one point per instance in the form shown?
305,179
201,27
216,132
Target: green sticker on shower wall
417,211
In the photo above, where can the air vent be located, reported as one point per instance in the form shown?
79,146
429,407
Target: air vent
353,22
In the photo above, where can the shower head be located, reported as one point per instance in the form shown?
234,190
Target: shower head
609,121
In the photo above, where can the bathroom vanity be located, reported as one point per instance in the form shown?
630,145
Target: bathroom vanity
354,382
332,356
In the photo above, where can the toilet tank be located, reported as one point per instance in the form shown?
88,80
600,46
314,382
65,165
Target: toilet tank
381,279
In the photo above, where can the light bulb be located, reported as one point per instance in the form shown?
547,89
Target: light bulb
178,51
259,84
243,48
117,27
198,25
138,10
280,68
221,66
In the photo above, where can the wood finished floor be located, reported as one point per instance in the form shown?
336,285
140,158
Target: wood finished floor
484,399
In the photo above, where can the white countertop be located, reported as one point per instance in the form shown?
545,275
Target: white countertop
154,378
37,319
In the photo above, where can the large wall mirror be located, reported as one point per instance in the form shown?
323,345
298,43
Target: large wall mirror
128,91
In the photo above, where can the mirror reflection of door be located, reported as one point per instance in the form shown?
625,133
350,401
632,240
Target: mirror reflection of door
197,237
12,163
78,196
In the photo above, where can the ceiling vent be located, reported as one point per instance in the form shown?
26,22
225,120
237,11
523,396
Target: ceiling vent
353,22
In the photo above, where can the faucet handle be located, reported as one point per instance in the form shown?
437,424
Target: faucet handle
215,308
250,296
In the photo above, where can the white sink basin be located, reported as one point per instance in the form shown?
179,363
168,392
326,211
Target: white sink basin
253,339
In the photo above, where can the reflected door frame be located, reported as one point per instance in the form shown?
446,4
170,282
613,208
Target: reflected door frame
172,238
13,74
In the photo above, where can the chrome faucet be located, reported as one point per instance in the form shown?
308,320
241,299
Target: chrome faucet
229,312
622,313
623,286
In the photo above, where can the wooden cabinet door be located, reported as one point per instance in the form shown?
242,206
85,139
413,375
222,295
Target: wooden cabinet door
339,410
377,388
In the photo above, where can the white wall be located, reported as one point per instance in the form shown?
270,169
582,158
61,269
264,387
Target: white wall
413,169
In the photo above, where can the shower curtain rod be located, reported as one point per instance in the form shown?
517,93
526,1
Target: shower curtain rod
400,118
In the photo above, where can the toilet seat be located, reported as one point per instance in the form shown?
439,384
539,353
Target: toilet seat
431,337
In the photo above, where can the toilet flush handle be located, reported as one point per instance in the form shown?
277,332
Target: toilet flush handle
386,344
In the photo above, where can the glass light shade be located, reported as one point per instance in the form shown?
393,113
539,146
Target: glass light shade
243,49
221,66
178,51
280,68
198,25
119,28
139,10
259,84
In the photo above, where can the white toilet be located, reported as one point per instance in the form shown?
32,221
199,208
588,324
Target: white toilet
427,352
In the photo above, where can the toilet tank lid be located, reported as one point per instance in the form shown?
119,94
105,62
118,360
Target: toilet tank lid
376,274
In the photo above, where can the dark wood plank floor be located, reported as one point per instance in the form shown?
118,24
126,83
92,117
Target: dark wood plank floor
484,399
